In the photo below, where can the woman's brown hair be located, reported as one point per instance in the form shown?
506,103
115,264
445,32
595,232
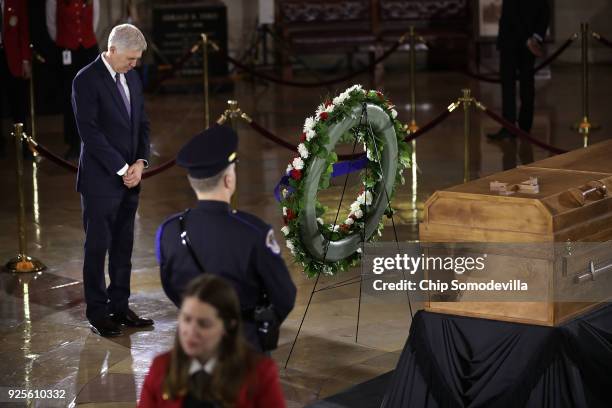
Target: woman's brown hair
235,358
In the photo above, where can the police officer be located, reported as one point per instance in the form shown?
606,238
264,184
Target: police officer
214,238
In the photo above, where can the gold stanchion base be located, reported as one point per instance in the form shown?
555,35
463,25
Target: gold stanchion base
24,264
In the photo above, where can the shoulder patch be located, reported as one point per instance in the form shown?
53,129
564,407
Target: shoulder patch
158,236
271,242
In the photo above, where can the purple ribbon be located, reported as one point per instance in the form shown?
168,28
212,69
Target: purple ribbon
339,169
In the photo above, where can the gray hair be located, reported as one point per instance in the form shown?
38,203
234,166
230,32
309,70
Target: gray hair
205,185
127,37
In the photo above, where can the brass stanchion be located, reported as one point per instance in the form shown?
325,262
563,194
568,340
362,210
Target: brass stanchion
22,262
205,78
413,126
585,127
466,100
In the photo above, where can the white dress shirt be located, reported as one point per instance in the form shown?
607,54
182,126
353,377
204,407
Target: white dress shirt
197,366
126,89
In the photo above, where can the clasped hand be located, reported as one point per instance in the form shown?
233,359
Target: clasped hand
132,176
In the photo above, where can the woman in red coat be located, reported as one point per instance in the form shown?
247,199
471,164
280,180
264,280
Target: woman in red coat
211,364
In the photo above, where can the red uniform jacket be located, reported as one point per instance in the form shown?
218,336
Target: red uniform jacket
75,26
266,392
15,35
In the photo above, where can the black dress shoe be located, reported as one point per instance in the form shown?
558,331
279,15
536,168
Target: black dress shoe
500,135
105,327
131,319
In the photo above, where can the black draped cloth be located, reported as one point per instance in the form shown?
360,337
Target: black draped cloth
454,361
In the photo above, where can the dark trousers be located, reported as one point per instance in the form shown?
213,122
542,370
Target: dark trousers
80,58
517,62
109,228
15,97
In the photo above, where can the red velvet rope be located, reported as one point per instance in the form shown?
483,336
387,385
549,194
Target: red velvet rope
158,169
494,78
177,65
314,84
428,126
603,40
289,146
46,153
521,133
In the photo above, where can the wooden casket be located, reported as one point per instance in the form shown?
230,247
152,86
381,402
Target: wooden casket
561,230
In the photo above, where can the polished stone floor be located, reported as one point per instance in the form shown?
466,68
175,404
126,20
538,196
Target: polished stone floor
45,342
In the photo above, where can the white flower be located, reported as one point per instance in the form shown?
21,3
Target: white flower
355,206
285,193
320,221
365,198
289,168
303,150
285,230
290,246
349,221
310,134
340,98
335,228
309,124
359,250
285,211
327,270
393,113
358,214
355,88
298,163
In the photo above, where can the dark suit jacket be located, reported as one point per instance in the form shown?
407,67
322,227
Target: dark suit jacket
109,138
520,19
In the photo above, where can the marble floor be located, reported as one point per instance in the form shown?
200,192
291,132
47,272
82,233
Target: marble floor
45,342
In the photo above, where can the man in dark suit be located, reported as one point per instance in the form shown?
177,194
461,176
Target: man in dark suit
114,130
522,28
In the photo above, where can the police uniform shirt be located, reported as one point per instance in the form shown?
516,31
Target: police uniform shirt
232,244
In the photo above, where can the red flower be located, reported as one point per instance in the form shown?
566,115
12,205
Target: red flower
303,137
353,216
324,115
328,103
344,227
290,214
380,95
296,174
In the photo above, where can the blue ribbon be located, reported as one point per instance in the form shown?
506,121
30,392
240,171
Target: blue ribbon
339,169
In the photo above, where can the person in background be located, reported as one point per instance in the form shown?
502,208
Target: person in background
15,62
522,28
72,25
211,365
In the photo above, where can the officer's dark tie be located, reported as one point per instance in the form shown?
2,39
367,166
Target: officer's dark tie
123,95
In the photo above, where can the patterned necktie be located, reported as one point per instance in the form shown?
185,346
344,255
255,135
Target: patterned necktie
123,95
